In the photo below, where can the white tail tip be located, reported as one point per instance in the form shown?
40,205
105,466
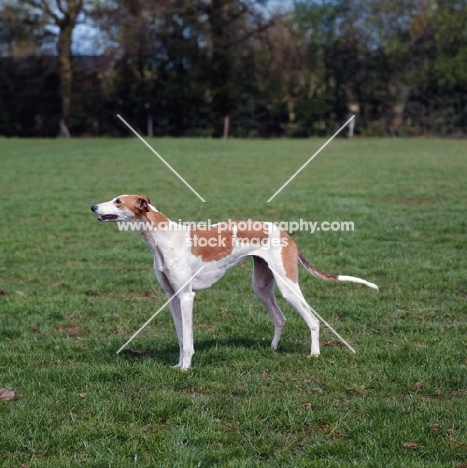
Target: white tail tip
353,279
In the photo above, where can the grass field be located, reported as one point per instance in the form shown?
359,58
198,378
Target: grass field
72,291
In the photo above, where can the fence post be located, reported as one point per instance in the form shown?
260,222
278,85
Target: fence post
226,127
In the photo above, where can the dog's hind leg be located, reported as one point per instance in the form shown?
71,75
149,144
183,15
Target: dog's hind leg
263,286
293,295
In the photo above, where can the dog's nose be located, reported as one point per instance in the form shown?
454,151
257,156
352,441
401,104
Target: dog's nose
93,208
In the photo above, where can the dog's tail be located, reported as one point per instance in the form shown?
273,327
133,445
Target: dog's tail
327,276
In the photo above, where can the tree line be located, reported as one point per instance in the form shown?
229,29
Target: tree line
180,67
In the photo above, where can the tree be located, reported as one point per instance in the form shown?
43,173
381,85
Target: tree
158,54
21,30
232,23
62,15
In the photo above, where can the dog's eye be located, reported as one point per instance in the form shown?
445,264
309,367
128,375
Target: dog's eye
118,201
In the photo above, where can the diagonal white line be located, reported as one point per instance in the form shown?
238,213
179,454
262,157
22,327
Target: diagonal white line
277,275
332,329
317,152
161,158
136,333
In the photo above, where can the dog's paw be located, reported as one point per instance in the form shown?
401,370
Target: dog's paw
182,367
314,355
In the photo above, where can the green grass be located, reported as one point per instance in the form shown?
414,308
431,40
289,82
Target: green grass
88,287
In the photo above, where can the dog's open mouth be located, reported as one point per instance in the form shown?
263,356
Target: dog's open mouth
108,217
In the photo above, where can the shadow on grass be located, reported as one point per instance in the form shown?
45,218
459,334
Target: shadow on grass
168,355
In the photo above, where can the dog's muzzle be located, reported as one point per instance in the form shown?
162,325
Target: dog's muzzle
108,217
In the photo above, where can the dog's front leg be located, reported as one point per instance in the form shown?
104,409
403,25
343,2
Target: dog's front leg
177,318
186,298
175,309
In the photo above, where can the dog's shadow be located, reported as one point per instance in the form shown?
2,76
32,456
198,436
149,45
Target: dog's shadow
168,355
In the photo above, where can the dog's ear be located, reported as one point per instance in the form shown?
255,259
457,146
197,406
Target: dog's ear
142,204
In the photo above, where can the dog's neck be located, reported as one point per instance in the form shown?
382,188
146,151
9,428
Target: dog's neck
157,224
157,219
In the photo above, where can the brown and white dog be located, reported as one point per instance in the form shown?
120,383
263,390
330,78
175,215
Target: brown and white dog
180,251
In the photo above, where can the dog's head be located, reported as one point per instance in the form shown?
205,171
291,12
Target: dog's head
122,208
